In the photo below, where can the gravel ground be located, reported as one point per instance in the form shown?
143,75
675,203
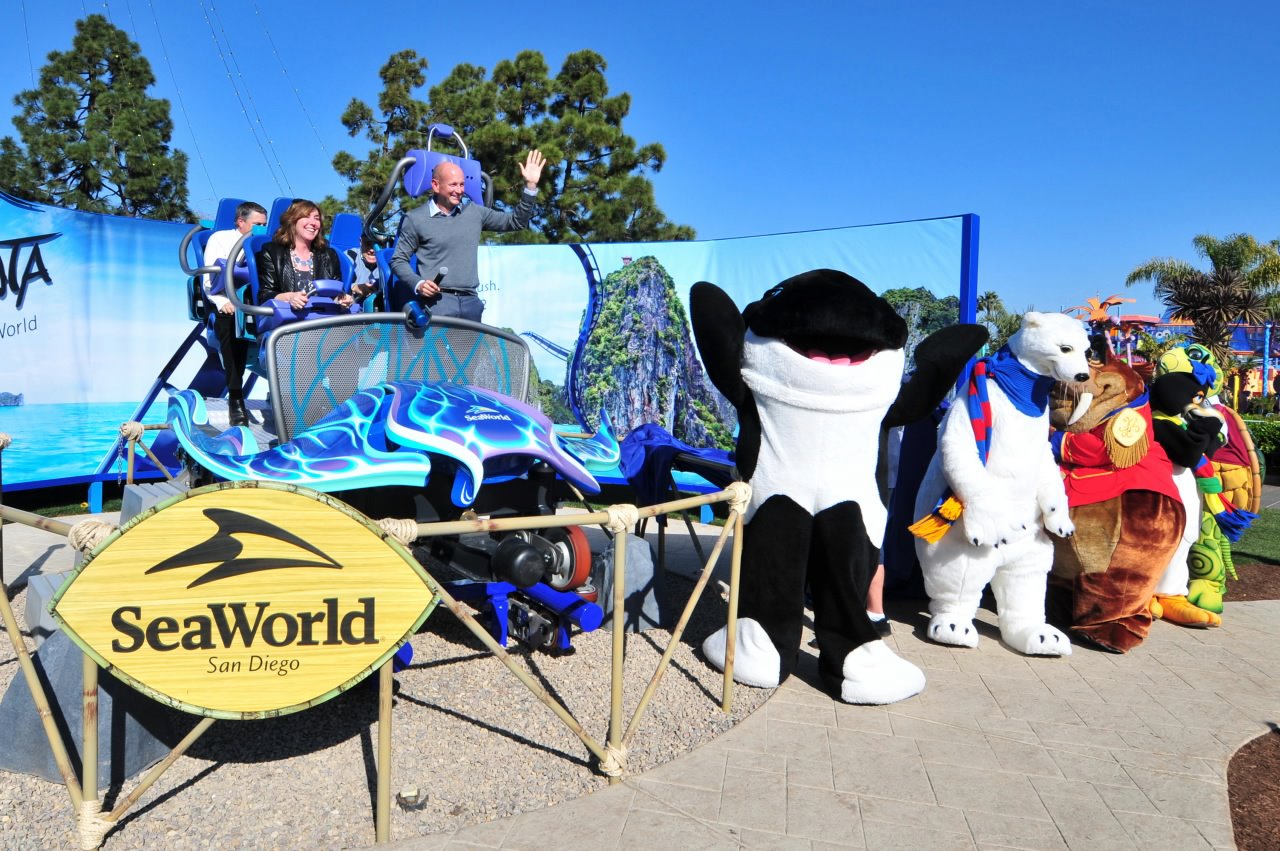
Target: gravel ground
466,732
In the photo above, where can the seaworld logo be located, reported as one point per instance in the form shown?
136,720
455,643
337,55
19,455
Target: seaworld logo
277,629
33,270
477,413
224,547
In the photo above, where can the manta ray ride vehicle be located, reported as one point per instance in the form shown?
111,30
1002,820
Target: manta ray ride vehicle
401,415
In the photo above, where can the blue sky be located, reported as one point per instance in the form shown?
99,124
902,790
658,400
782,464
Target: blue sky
1089,136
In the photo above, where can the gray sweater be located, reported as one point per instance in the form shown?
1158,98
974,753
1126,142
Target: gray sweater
452,241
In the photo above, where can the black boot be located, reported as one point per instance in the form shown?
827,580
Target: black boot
237,414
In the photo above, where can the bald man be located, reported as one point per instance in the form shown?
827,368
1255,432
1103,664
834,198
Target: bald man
445,232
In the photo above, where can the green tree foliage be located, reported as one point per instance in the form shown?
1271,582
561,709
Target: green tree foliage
91,137
1243,271
1152,349
1244,274
595,186
989,304
934,312
1002,326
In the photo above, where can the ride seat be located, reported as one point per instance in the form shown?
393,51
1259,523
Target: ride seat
417,182
417,178
344,236
199,308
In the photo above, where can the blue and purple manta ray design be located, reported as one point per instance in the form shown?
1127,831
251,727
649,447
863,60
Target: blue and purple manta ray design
387,435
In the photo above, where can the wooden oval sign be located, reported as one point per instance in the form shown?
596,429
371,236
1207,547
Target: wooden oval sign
245,599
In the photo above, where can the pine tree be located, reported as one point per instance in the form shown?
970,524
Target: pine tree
91,137
595,187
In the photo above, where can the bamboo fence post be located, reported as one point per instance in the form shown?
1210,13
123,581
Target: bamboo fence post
159,768
675,637
735,570
131,454
89,719
536,688
154,460
26,518
382,826
38,697
619,640
56,744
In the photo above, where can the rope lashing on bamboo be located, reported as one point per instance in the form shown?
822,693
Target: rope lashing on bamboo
403,530
93,827
5,440
614,763
622,517
86,535
739,496
131,430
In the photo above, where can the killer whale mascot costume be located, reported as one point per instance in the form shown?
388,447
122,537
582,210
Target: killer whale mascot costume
814,368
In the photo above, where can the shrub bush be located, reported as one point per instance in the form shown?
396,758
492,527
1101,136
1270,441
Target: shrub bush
1266,434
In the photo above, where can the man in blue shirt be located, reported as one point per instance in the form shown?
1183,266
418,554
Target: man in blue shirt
445,232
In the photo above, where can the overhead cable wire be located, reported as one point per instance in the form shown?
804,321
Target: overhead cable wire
132,23
285,72
31,65
248,90
243,110
182,105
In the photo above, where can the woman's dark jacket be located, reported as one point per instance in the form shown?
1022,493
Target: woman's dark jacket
275,269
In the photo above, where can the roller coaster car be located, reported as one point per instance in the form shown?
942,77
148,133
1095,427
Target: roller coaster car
400,420
425,422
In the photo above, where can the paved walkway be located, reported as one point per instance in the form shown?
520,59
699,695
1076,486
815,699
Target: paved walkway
1000,751
1092,751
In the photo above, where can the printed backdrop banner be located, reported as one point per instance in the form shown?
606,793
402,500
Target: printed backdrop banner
93,308
546,287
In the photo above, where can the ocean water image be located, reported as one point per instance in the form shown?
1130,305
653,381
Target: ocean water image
64,441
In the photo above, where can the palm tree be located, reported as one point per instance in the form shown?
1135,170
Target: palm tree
1212,303
1245,275
999,321
990,303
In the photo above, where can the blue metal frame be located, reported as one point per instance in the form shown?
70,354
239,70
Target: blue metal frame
595,299
969,267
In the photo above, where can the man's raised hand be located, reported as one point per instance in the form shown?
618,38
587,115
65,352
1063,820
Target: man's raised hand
531,169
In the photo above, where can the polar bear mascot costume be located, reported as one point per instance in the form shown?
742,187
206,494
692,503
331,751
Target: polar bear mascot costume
995,470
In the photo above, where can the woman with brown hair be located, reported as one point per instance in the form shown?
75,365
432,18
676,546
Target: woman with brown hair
297,256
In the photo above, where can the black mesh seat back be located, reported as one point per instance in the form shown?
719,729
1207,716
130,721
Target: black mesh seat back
318,364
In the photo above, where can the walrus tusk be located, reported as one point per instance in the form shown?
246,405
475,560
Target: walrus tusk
1082,406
